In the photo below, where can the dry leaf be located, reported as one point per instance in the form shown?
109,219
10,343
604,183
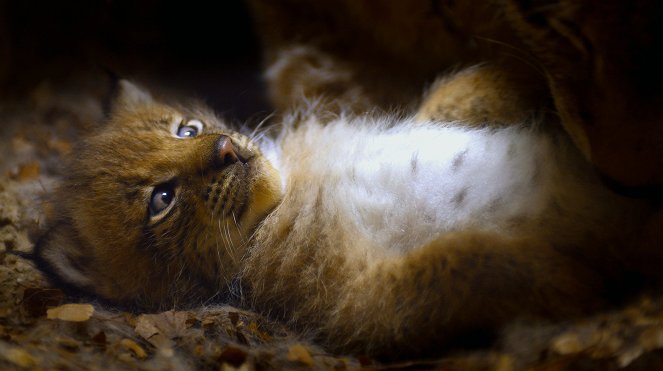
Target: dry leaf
63,147
298,353
630,355
68,343
71,312
567,344
22,148
253,328
145,327
19,357
131,345
163,343
160,329
28,171
171,324
652,338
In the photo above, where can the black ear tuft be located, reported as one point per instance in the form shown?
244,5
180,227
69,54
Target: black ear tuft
113,87
61,255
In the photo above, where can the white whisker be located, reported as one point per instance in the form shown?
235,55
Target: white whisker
259,126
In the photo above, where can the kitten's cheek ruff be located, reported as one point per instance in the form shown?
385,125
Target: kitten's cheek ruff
266,191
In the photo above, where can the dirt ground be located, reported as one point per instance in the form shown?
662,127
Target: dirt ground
41,329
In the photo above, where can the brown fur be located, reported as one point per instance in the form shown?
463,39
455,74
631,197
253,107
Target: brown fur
302,265
483,95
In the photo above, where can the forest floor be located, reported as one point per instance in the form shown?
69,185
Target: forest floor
40,328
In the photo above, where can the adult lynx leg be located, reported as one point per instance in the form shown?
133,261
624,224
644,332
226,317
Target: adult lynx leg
456,283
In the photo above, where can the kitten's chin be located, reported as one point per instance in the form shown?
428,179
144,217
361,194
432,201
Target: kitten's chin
266,193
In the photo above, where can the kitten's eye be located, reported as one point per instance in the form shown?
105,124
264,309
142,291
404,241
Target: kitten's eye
161,198
189,129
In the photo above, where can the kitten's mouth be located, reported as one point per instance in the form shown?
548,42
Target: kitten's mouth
227,193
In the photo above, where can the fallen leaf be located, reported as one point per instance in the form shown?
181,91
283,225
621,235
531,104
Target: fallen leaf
253,328
652,338
297,353
145,327
63,147
19,357
628,356
28,171
162,343
136,349
68,343
567,344
21,145
71,312
160,329
171,324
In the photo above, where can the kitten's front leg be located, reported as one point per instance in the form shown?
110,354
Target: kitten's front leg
457,283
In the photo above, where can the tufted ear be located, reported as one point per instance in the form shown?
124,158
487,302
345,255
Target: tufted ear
130,96
62,256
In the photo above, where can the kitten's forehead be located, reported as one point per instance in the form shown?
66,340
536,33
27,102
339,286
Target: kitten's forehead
164,116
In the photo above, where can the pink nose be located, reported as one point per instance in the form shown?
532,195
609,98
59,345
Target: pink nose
226,153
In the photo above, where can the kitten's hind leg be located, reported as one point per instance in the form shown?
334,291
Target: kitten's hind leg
458,283
486,95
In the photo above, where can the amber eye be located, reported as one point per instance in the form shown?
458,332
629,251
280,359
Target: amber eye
161,198
189,129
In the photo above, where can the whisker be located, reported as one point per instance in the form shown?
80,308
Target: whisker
260,124
230,245
521,54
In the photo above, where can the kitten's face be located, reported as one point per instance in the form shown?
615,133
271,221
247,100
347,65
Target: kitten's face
159,205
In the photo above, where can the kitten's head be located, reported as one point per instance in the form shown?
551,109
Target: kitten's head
158,205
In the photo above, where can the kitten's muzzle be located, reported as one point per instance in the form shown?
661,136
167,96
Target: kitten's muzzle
225,153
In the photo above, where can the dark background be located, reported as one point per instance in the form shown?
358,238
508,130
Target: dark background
206,49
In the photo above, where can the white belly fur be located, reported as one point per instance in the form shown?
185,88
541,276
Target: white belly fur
401,185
